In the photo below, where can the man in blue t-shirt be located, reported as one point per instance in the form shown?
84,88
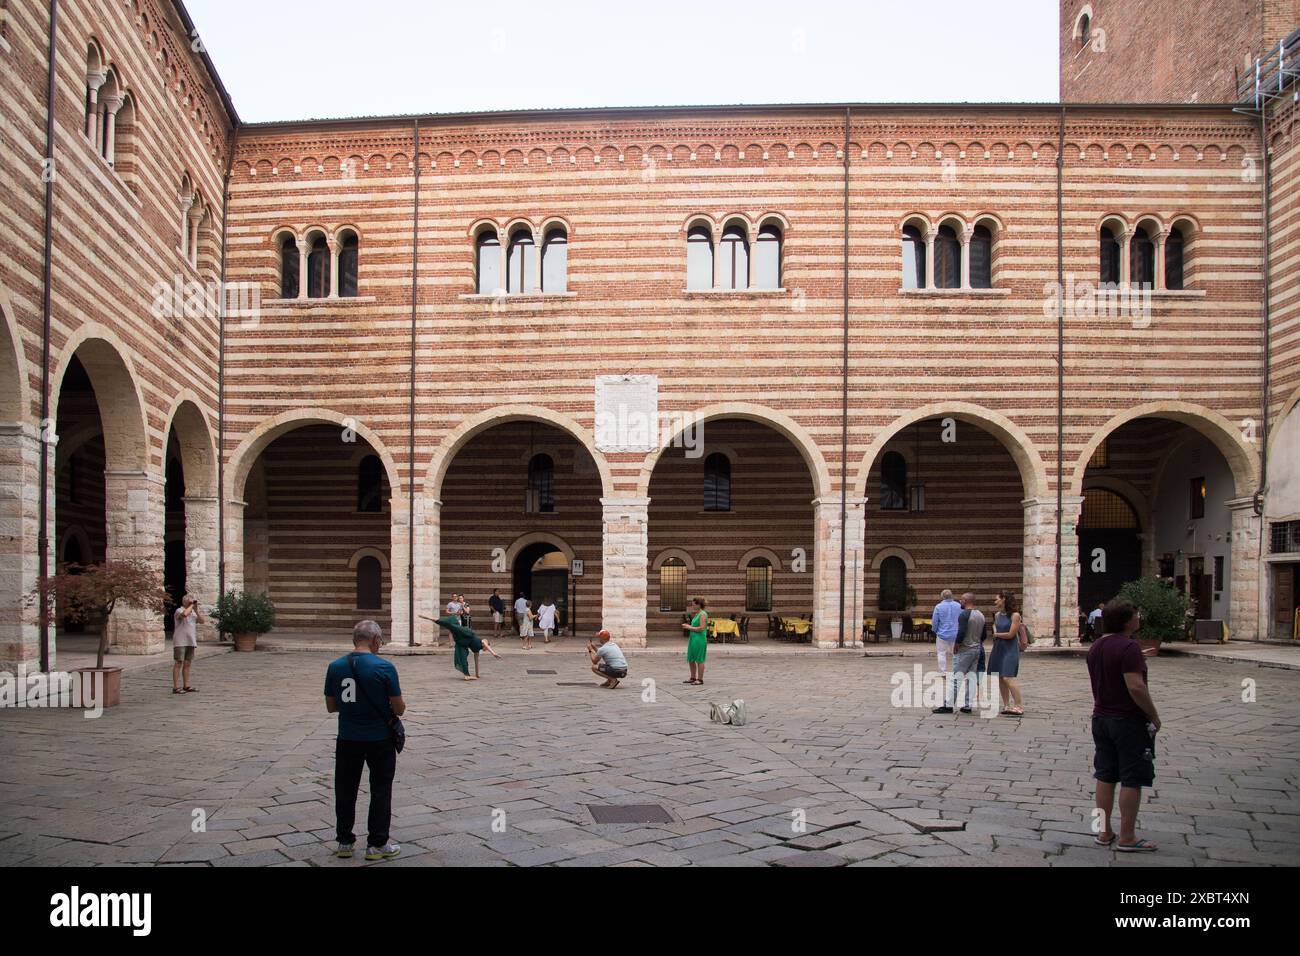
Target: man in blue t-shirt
362,688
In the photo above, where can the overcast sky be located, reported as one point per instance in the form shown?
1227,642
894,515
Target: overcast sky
298,59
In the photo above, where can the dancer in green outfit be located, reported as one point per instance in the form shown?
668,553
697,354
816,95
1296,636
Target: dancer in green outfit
466,641
697,641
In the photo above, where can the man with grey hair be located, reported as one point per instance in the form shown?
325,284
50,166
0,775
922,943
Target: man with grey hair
362,688
944,624
966,659
184,642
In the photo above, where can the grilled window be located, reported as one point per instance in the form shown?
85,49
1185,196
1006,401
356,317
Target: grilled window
981,258
541,485
947,259
717,483
1106,509
758,585
672,585
348,260
1284,537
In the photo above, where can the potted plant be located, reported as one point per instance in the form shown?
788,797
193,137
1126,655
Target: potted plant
896,596
91,591
244,616
1164,611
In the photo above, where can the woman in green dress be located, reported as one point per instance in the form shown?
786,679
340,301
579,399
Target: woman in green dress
697,642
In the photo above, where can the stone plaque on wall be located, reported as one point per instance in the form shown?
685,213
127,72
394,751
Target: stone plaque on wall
627,413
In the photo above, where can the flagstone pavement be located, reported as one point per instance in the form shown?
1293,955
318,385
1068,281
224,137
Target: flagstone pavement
827,771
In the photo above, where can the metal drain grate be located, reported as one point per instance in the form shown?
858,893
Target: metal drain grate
577,683
629,813
542,672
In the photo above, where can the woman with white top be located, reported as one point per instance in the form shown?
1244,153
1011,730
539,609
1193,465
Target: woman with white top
546,618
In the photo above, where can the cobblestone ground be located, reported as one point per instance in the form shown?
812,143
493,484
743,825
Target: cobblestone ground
253,750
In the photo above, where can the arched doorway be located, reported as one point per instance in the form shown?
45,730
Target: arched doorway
1110,546
541,571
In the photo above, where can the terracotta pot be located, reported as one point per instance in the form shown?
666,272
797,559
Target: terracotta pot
107,683
245,642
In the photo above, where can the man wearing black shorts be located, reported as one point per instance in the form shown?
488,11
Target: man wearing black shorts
1124,724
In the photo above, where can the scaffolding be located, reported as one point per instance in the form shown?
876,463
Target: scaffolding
1273,75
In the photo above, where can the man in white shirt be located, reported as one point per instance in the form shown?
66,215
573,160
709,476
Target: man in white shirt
184,641
521,606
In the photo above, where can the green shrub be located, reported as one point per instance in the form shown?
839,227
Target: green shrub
1164,609
239,612
897,596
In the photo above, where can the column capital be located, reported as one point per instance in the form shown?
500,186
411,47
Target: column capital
1242,504
113,103
967,233
95,80
833,501
628,502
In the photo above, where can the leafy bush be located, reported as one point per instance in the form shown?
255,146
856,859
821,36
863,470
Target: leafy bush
897,596
239,612
1164,609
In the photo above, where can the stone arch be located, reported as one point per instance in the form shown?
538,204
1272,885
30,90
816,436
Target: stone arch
668,554
376,553
1213,426
748,411
15,398
244,457
1033,473
117,395
83,542
537,537
1288,406
766,553
460,436
1129,492
198,451
903,554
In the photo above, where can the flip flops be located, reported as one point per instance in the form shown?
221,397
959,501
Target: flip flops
1141,846
1100,842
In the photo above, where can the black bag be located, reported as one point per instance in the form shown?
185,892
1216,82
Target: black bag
396,729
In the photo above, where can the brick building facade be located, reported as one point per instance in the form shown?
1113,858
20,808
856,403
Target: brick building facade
629,330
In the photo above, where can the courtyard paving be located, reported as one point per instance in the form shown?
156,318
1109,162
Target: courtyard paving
827,772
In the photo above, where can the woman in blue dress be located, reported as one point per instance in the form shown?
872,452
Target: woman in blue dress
1005,659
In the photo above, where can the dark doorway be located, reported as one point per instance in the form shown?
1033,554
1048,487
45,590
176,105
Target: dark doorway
1109,536
1286,599
537,577
173,577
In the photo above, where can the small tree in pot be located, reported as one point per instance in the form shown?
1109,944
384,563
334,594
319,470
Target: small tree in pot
244,616
1164,611
896,595
86,591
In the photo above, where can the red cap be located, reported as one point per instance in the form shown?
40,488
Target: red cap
602,633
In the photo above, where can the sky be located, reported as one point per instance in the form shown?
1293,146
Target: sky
300,59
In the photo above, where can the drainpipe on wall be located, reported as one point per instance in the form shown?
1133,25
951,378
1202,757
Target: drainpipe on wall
844,389
221,371
1060,370
410,466
1267,197
49,172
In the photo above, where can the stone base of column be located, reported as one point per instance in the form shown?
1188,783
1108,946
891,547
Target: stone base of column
625,562
1245,608
20,458
1040,593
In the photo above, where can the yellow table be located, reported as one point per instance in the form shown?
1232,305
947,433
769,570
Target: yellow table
723,627
796,625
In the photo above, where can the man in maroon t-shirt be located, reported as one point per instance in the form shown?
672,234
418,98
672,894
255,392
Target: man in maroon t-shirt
1124,722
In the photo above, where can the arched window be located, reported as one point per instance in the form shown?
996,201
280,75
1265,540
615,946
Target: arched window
947,259
767,258
717,483
758,585
672,585
893,584
913,258
1085,30
893,482
1110,253
370,484
521,262
555,261
487,255
370,584
981,258
734,265
288,268
1105,509
699,258
1142,259
348,261
318,269
1174,259
540,498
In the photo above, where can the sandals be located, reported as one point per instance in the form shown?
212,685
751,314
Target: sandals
1141,846
1013,713
177,690
1100,842
190,690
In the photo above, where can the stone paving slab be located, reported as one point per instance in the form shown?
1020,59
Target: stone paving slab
500,772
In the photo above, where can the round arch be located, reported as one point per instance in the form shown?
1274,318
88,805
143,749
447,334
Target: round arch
767,554
198,452
1288,406
901,553
15,399
1210,424
537,537
463,433
1033,473
380,556
241,462
746,411
117,395
668,554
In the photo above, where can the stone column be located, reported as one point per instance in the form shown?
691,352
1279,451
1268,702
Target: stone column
1125,240
334,270
929,258
1244,571
626,557
201,557
399,550
187,203
234,543
825,561
196,216
1159,241
93,82
111,105
966,235
303,250
1039,573
20,518
425,534
134,504
535,273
